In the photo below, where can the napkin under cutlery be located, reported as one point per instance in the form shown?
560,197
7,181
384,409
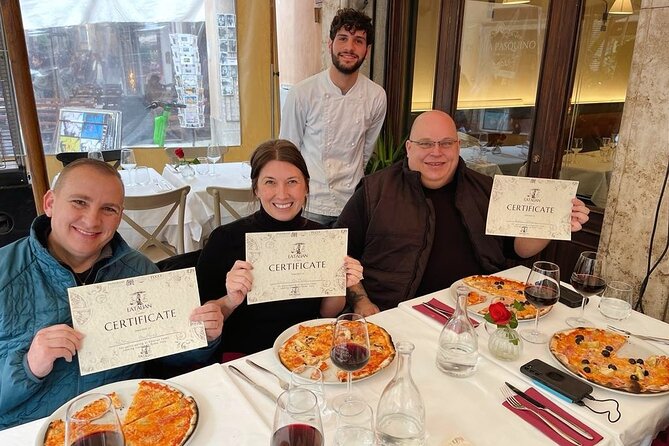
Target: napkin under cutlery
438,315
537,423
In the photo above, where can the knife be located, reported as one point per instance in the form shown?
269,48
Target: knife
540,406
258,387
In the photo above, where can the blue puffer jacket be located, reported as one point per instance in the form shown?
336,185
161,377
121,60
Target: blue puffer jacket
33,295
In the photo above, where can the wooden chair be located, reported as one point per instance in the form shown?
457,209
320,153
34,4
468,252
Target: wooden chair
223,196
108,155
176,198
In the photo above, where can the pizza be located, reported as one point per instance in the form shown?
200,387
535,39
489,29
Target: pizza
502,290
592,353
159,414
311,345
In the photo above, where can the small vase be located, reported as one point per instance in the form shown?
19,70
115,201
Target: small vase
505,344
186,170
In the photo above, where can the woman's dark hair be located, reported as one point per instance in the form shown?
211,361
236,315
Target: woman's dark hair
352,21
276,150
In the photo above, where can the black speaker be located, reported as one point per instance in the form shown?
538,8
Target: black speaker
17,211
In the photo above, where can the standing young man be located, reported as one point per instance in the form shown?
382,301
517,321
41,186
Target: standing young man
335,117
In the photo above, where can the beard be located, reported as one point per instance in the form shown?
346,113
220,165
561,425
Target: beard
345,69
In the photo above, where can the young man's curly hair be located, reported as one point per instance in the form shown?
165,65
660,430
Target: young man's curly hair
352,21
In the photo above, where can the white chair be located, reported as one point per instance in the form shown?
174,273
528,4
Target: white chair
176,198
223,196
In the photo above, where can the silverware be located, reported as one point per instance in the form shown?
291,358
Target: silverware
540,406
640,336
439,311
518,405
282,383
258,387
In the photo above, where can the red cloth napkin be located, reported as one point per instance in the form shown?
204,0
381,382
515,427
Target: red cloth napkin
437,317
536,422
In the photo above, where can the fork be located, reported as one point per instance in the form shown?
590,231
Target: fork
511,399
282,383
439,311
644,337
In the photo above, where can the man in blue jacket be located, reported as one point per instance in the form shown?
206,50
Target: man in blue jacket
74,244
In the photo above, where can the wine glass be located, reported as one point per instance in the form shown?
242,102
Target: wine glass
542,289
587,281
350,349
213,155
128,162
297,420
98,425
577,146
616,301
483,142
355,424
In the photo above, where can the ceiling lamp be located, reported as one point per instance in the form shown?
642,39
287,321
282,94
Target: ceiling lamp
514,2
622,7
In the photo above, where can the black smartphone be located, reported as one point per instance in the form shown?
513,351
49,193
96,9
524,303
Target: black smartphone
570,297
572,388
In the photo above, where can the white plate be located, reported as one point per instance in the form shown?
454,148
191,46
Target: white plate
125,390
329,375
474,309
633,348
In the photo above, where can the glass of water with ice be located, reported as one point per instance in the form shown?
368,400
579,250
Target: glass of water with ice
616,301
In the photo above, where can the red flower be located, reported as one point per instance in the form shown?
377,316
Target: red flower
179,153
499,314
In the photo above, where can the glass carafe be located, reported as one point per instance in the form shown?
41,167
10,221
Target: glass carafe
400,416
457,352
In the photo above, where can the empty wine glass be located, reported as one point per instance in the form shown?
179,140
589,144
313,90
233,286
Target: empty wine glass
616,301
310,378
483,142
97,425
213,155
542,289
355,424
577,145
128,163
297,420
587,281
350,349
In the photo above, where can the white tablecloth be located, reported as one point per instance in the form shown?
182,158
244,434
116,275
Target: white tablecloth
199,204
592,172
232,412
507,162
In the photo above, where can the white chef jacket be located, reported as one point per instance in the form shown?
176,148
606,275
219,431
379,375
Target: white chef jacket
336,134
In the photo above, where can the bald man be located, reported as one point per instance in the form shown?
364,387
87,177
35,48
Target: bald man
419,225
75,243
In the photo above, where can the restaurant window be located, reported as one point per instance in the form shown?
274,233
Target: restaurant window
127,57
600,84
500,60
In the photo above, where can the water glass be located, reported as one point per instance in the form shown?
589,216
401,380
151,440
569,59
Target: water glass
142,176
355,424
297,420
310,378
616,301
99,424
203,167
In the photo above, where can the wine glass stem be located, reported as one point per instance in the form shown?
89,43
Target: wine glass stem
536,322
583,306
348,383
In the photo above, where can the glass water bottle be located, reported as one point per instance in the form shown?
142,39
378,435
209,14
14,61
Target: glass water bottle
457,353
400,416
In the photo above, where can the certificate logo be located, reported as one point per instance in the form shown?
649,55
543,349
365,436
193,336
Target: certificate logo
298,251
138,302
534,195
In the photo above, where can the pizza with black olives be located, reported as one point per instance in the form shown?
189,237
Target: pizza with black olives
592,353
501,289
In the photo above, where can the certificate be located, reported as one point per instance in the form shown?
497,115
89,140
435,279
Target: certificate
531,207
295,265
133,320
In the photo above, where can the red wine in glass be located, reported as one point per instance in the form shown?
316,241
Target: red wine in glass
587,284
542,296
297,435
349,356
103,438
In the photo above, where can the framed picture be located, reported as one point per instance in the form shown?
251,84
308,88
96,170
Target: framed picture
86,129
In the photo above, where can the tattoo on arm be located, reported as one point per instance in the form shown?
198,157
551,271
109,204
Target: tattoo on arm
355,295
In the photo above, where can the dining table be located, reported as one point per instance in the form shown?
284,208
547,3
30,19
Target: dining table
592,170
504,160
200,205
459,411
